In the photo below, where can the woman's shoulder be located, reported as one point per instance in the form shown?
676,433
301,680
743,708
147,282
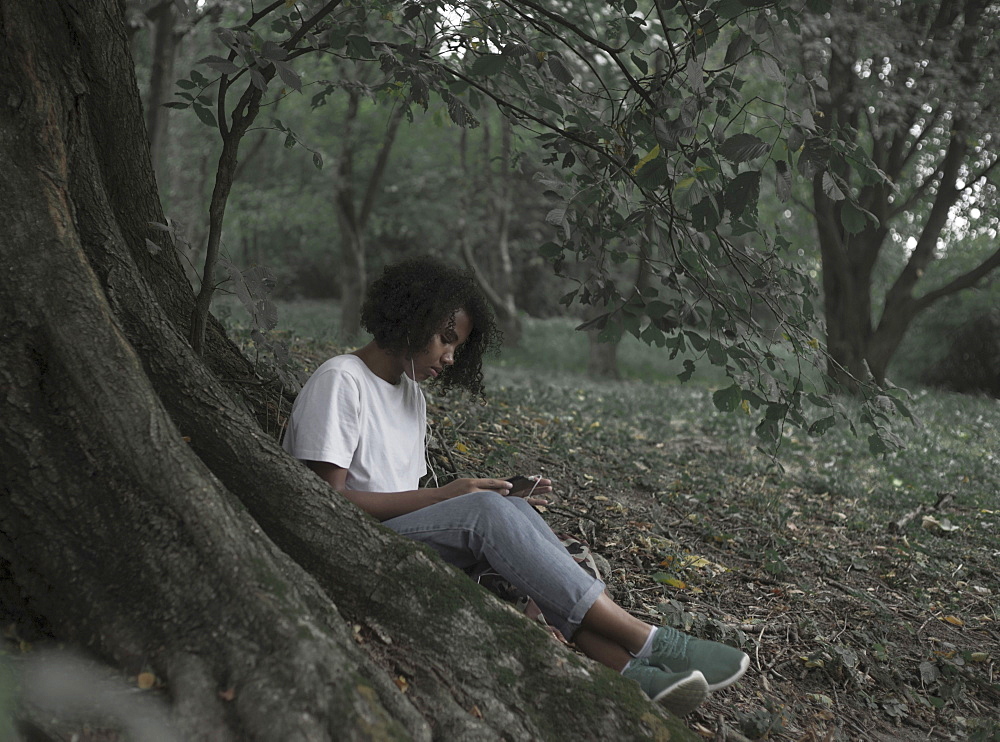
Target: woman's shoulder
346,361
346,365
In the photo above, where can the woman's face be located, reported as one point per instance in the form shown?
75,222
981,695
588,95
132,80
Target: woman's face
430,362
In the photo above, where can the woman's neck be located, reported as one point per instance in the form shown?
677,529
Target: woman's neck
380,362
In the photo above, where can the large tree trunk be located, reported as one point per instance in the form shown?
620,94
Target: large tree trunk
847,300
147,517
923,181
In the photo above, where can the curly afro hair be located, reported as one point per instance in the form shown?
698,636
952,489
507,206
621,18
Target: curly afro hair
410,302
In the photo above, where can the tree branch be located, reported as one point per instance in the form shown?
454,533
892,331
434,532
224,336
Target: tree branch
607,49
381,162
965,281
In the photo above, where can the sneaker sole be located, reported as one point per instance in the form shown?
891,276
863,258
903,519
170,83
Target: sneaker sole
744,664
685,695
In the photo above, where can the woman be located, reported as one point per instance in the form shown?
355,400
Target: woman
359,423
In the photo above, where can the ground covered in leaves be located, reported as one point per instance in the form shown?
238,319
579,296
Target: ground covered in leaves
869,610
864,589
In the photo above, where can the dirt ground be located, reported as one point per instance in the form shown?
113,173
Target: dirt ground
861,623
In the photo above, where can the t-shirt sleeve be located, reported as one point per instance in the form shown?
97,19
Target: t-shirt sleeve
325,423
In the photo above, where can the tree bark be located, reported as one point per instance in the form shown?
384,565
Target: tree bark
147,517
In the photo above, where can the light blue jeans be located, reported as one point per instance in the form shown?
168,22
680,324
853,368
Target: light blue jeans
485,529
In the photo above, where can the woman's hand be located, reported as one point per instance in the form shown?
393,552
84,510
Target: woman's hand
461,487
531,488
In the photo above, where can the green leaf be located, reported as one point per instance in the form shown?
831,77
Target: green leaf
258,79
656,308
783,181
771,67
796,138
822,425
815,157
558,69
852,218
767,430
742,192
459,112
652,174
685,375
775,411
730,9
288,76
516,50
550,250
487,65
187,84
831,188
318,160
632,324
652,335
206,116
704,215
697,341
876,445
273,52
176,104
640,63
737,48
220,64
546,102
716,353
359,47
728,399
818,400
556,216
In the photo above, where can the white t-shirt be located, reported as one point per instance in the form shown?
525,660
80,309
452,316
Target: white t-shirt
347,416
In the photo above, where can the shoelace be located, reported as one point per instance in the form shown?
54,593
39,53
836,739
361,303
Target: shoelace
671,642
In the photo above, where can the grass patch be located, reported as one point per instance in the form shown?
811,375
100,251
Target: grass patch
554,345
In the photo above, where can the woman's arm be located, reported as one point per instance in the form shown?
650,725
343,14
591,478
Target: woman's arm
386,505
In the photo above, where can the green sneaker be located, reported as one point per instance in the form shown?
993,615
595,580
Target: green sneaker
721,664
678,692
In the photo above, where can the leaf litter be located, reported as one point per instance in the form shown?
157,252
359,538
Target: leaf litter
856,630
862,621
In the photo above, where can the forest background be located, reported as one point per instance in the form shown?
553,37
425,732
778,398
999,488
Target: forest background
867,191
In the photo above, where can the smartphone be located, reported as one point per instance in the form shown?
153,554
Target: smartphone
521,481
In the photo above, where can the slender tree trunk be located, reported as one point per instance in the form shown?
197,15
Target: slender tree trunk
498,283
353,277
510,321
353,219
602,357
161,80
146,516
